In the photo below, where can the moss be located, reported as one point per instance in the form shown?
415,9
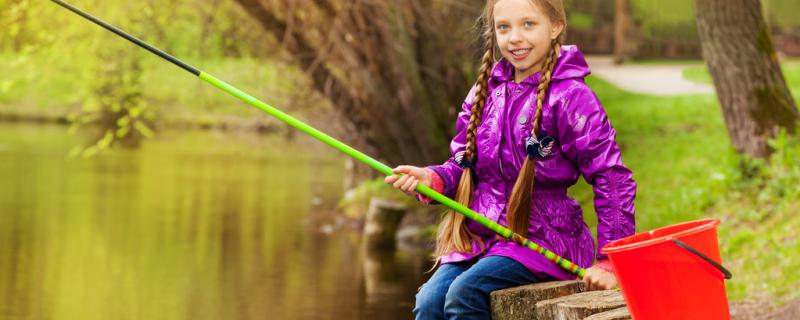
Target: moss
764,41
781,110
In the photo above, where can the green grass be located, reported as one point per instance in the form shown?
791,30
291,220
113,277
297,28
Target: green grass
677,148
759,222
685,168
758,236
790,68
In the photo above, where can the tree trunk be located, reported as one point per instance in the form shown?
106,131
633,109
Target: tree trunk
622,33
394,69
737,47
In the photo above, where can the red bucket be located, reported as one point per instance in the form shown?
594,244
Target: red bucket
672,272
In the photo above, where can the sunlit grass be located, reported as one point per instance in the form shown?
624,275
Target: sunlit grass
790,68
677,148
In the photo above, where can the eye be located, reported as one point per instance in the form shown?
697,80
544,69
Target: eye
529,24
502,27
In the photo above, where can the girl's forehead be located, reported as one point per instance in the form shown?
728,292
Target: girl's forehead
516,9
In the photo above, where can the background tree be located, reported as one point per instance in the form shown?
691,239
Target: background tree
738,50
622,31
397,70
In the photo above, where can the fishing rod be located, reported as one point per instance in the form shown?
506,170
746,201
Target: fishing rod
338,145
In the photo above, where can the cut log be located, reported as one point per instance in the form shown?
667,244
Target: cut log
616,314
520,302
579,306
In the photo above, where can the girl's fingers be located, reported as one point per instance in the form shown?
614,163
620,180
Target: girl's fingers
402,169
590,281
414,187
407,186
390,179
399,183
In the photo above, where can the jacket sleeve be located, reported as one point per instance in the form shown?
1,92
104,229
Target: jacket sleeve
588,140
449,171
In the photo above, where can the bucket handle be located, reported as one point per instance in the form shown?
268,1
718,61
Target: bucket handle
719,267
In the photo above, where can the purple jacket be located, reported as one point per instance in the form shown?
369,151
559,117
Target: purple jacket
585,145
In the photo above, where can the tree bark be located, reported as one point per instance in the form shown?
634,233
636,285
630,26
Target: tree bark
394,69
738,50
622,24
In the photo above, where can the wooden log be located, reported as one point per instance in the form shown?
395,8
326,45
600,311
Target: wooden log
616,314
383,219
520,302
580,305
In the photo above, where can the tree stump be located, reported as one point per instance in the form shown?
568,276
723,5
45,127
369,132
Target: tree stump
616,314
580,305
520,302
383,218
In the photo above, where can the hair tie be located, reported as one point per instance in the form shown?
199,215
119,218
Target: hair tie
462,161
539,148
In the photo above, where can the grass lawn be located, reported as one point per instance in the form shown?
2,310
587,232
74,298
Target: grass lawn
760,222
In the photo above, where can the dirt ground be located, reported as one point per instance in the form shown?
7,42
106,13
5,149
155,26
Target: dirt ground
752,309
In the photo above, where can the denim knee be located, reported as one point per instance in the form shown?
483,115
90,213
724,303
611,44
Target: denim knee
466,298
429,303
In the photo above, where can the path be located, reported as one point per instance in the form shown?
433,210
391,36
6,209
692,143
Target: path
660,80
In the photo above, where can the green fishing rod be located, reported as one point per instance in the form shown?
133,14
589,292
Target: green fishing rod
338,145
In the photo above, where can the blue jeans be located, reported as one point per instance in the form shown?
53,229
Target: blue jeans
461,290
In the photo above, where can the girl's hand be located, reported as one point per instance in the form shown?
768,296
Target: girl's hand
408,182
598,279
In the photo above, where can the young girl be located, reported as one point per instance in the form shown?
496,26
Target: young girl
529,115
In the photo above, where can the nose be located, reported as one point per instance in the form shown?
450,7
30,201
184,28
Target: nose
515,37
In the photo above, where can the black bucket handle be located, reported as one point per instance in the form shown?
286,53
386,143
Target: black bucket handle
719,267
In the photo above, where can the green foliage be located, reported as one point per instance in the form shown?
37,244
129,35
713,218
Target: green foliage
676,18
55,62
114,107
578,20
783,12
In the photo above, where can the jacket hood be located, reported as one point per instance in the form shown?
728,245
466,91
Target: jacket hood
571,64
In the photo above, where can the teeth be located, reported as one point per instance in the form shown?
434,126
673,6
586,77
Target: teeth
520,51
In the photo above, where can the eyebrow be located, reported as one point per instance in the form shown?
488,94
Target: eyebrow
523,18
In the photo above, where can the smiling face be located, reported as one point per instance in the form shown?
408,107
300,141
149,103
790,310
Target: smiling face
524,34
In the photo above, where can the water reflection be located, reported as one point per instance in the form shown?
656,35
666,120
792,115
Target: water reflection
193,225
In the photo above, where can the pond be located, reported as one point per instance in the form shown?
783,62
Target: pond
190,225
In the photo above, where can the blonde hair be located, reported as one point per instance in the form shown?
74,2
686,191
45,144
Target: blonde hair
452,234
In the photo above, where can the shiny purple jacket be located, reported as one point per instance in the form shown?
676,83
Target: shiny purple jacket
585,145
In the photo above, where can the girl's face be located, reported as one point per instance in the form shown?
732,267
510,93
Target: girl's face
524,33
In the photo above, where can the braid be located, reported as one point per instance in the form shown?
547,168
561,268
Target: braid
480,101
519,205
453,234
544,84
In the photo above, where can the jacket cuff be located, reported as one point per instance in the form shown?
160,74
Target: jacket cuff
605,264
436,184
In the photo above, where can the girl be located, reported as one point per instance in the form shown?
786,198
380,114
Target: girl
529,115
